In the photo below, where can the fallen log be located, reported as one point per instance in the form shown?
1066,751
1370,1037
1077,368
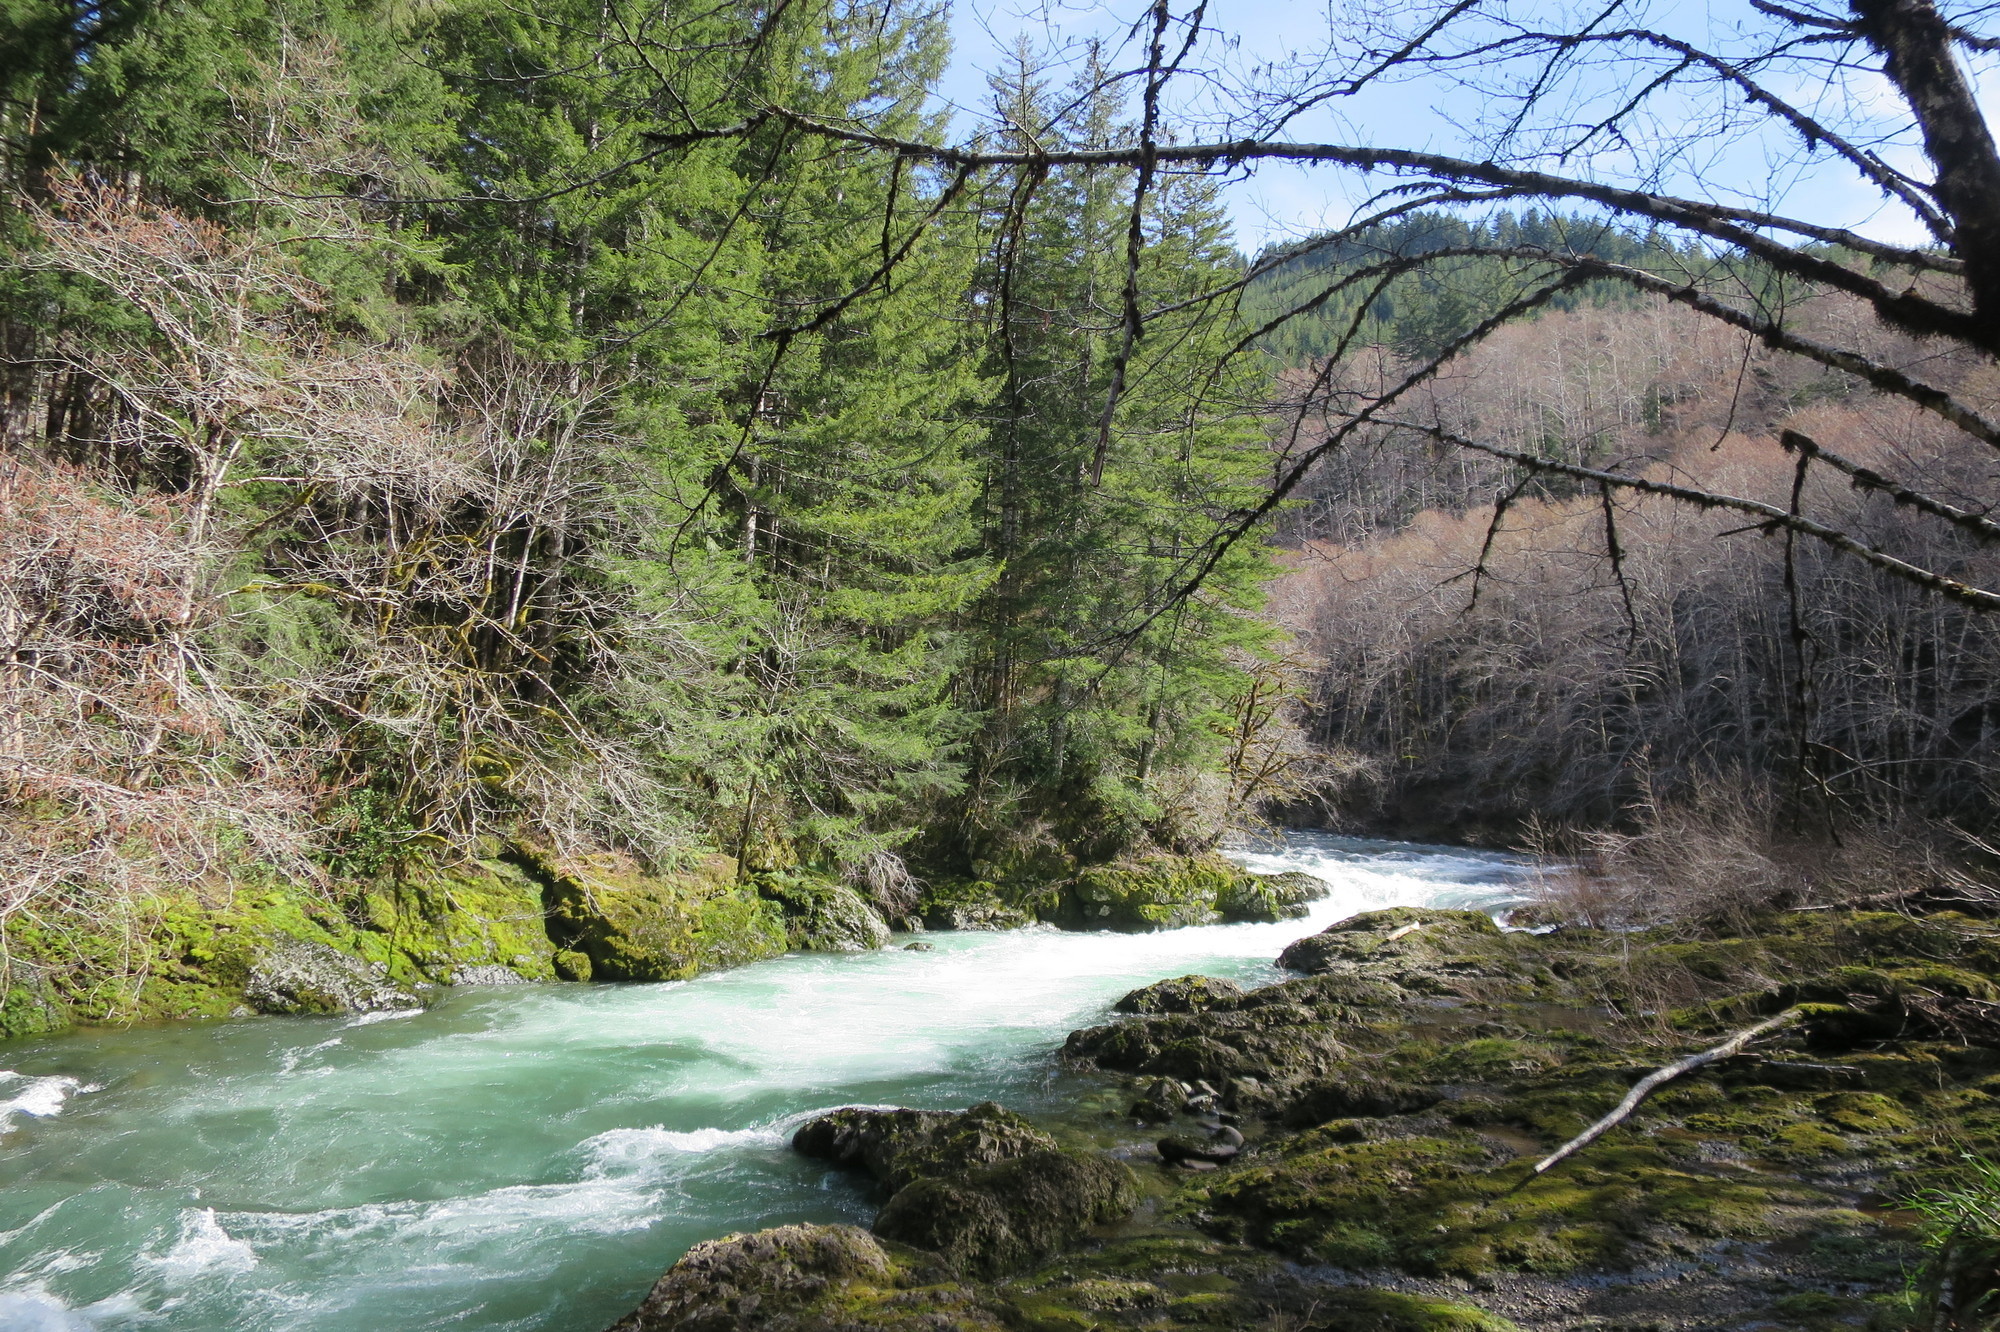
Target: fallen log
1652,1081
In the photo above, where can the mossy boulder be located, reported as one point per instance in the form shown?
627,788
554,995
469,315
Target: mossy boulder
636,926
1411,940
1183,994
899,1147
1158,893
803,1278
1270,897
1003,1217
1357,1096
1364,1310
981,904
984,1190
823,915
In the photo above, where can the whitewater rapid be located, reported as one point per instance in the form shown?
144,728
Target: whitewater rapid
531,1157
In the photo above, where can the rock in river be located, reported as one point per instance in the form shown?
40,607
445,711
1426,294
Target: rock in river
300,976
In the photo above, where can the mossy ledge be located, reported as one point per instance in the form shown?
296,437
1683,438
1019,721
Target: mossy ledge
522,913
1394,1099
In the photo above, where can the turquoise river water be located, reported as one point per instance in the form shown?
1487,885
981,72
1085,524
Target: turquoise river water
533,1156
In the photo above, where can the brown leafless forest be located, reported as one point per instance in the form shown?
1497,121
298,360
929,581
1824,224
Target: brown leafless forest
1528,654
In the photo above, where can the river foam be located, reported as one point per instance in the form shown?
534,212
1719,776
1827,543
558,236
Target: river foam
530,1157
38,1098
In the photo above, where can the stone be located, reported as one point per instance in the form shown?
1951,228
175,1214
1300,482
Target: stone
752,1283
1005,1217
1162,1100
1411,938
301,976
898,1147
1223,1146
1183,994
1156,893
1357,1098
491,973
823,915
1271,897
632,925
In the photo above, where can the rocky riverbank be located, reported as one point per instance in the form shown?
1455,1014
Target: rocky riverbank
1392,1102
523,914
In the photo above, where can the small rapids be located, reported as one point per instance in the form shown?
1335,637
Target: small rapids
531,1157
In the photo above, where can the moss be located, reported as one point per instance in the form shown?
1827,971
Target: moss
980,904
1270,897
1441,1204
1159,893
1802,1143
1006,1216
637,926
1864,1112
822,915
31,1007
435,925
1352,1310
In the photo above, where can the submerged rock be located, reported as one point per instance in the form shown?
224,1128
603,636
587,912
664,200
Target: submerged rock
1223,1146
301,976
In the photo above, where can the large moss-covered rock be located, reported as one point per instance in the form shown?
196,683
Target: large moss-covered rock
1270,897
823,915
980,904
1183,994
1001,1218
632,925
984,1190
1408,939
30,1005
1159,893
767,1282
899,1147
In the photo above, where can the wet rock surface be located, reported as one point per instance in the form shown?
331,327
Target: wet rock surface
1353,1148
302,976
985,1191
899,1147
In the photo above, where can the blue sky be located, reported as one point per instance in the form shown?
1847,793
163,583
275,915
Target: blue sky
1283,202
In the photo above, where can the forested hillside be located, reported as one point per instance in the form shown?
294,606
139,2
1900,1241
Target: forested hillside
414,451
595,455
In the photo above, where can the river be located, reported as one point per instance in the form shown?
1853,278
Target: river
533,1156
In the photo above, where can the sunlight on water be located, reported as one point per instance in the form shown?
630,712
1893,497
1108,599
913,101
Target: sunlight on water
531,1157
